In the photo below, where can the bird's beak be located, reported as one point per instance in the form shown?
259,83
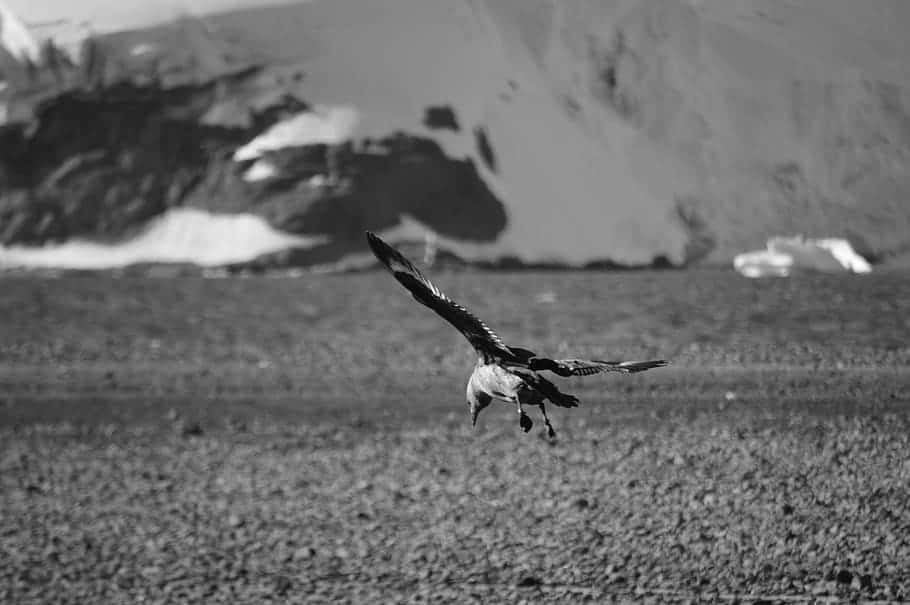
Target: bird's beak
474,412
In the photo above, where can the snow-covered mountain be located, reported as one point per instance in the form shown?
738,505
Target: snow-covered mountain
573,132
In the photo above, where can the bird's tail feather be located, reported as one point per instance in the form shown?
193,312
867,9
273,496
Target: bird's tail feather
552,392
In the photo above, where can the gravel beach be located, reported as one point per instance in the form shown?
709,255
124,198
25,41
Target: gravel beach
263,454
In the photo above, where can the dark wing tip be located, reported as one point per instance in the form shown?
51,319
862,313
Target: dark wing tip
403,270
640,366
376,244
384,252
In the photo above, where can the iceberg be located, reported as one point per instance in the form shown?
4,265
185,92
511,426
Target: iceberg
786,254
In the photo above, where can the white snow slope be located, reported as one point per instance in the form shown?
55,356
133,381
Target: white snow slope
15,37
180,235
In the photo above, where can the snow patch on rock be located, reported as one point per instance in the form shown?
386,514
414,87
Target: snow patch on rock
328,125
16,38
181,235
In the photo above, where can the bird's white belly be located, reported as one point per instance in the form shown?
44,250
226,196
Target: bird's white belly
496,382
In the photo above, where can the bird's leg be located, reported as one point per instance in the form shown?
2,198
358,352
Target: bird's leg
543,410
524,421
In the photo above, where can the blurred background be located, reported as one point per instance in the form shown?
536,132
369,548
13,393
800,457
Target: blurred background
631,133
208,394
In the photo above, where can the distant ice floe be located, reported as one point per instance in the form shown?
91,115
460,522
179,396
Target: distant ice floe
181,235
331,125
785,254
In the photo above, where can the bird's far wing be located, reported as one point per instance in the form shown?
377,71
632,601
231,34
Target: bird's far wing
482,338
546,388
587,367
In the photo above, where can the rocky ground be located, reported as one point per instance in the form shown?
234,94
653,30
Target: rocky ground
259,440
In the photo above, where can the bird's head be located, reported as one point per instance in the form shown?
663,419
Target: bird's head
475,404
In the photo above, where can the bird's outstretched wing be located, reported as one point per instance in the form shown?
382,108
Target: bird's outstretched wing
482,338
587,367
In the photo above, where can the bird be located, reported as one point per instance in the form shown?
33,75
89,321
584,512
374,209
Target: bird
502,372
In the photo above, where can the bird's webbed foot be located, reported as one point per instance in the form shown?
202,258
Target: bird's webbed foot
525,421
551,433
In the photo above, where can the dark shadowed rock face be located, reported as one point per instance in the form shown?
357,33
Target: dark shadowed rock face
370,185
100,164
407,175
149,120
485,148
441,117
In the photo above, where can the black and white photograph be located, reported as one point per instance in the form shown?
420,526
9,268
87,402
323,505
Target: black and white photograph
454,301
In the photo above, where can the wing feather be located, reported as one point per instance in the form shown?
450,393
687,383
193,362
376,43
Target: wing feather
481,337
588,367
